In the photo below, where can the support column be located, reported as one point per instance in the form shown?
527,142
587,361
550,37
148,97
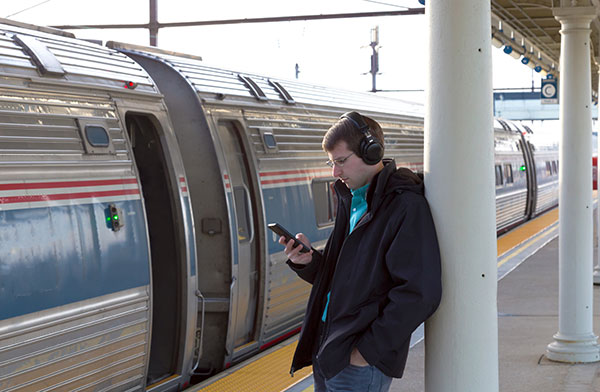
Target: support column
597,266
575,340
461,350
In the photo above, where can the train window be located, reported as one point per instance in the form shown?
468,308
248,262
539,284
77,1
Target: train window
548,169
508,174
240,196
554,168
95,136
498,175
325,200
268,139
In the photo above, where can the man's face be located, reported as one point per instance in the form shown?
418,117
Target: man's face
352,171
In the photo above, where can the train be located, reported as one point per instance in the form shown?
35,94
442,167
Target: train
136,185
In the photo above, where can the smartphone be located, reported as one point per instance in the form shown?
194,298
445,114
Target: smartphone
278,229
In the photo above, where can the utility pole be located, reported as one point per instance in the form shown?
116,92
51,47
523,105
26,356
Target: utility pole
297,70
375,56
153,25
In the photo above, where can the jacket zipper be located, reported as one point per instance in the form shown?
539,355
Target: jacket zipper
361,222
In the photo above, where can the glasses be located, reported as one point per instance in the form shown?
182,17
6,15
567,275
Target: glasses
338,162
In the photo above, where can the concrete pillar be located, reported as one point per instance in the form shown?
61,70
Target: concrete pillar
461,339
575,340
597,266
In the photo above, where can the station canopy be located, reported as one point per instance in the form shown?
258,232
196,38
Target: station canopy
527,30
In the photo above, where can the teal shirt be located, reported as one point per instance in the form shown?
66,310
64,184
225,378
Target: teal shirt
358,208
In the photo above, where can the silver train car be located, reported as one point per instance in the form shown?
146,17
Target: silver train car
135,189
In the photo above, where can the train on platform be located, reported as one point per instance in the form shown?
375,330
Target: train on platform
136,186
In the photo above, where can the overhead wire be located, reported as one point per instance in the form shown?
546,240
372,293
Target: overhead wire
382,3
28,8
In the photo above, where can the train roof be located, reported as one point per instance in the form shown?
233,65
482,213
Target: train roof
223,83
32,52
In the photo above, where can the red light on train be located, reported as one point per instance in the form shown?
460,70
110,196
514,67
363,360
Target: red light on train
130,85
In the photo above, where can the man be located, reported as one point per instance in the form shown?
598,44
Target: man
378,277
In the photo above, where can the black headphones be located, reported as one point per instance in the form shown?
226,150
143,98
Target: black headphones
371,151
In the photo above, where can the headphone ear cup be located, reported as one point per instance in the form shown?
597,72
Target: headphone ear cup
371,150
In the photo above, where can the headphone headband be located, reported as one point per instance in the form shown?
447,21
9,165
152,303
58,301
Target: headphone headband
357,120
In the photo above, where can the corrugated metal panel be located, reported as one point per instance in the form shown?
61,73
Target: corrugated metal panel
286,299
39,134
83,62
299,136
547,196
510,208
97,345
547,182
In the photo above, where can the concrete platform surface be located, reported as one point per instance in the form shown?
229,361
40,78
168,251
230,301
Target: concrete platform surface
527,321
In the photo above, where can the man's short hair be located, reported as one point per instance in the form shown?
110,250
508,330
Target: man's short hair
345,130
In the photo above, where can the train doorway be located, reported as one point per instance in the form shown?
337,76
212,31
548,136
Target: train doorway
246,264
151,163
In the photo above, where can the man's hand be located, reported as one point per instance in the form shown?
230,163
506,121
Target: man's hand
357,359
294,253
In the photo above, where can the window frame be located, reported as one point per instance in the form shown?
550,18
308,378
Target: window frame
89,148
323,191
499,175
508,173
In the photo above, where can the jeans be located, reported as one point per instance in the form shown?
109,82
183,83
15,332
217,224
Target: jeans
352,379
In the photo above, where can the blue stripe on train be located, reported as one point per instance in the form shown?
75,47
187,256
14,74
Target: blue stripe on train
59,255
293,208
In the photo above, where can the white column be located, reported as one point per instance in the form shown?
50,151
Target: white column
575,340
597,266
461,347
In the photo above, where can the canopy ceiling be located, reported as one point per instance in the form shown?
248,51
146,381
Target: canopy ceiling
530,29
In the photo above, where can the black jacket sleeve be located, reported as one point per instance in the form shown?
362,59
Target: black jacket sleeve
413,261
309,271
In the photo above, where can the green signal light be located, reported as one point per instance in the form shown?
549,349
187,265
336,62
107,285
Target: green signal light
522,168
116,217
108,218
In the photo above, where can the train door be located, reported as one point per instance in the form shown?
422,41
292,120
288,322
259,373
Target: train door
164,246
528,153
243,198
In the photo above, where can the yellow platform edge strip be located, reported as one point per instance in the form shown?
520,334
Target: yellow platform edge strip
524,232
270,373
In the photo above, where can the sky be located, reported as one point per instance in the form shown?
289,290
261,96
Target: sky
328,52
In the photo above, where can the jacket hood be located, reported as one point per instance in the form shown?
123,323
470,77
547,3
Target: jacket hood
401,179
391,179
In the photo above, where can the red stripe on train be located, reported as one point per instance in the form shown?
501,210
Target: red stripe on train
65,184
283,173
279,339
66,196
265,182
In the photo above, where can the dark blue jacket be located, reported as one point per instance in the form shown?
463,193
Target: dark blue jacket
384,277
